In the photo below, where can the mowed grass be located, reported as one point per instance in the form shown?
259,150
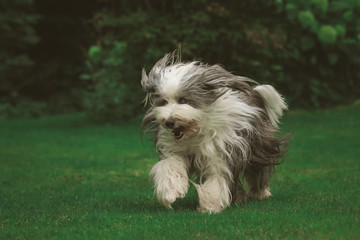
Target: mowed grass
64,178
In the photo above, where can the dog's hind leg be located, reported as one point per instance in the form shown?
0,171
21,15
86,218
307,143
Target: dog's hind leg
257,178
237,192
170,177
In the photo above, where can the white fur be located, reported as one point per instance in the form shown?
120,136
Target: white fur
216,127
214,194
170,179
171,77
274,103
259,195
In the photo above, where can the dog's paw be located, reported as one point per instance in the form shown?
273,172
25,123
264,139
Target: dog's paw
166,199
210,210
262,194
169,197
211,197
171,182
170,190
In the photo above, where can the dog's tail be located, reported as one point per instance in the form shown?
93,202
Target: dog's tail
274,103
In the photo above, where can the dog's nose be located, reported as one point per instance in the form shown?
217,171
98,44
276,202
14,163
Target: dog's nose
170,122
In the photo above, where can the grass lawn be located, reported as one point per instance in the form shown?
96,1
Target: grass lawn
64,178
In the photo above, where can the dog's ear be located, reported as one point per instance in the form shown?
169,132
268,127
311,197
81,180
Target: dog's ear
150,82
160,65
147,84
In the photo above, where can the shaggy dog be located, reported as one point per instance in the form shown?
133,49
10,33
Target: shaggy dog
209,122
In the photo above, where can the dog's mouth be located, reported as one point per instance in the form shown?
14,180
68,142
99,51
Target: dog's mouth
179,132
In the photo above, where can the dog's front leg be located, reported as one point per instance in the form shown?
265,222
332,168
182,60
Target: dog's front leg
214,194
170,177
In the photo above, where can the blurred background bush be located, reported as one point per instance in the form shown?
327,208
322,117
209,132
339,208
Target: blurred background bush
87,55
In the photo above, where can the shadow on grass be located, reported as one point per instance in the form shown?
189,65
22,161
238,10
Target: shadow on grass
145,201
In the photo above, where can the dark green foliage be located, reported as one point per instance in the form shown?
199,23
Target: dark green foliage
60,56
17,20
23,108
309,50
42,54
324,51
211,31
111,95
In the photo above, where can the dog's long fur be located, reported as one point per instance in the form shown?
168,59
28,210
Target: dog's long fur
210,122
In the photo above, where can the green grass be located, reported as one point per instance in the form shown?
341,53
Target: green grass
63,178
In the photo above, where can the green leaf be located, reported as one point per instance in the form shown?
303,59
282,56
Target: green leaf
120,46
307,20
93,51
348,15
290,6
340,30
94,54
327,34
85,76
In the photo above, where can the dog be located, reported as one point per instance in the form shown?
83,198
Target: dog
209,123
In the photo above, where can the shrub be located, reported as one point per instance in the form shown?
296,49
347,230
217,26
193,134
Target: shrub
323,37
23,108
109,97
209,30
306,49
17,22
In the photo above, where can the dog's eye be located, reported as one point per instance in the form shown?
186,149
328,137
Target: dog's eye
161,102
182,100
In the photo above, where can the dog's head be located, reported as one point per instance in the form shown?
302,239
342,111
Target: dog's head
181,93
